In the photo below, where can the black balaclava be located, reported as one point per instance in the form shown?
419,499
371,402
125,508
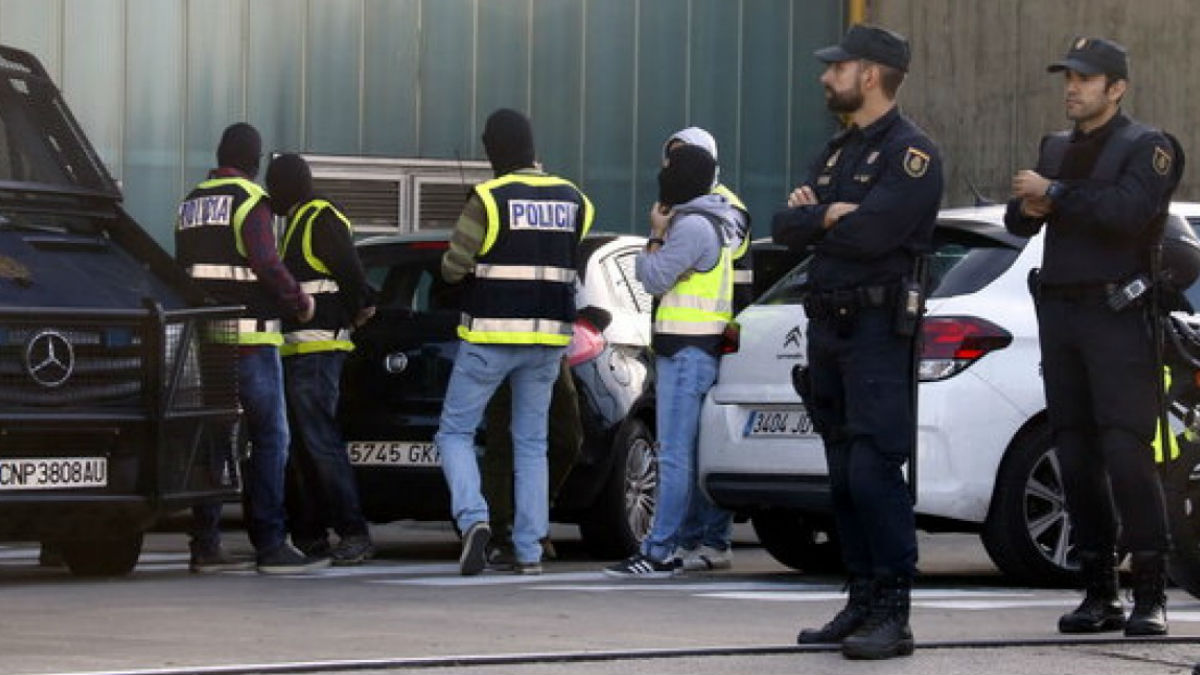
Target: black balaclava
508,140
240,148
688,174
289,182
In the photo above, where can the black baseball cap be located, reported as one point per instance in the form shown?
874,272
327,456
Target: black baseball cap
872,43
1092,56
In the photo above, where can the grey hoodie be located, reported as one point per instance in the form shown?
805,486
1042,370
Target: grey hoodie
691,243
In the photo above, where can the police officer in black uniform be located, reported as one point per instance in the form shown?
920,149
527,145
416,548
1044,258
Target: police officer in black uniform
1102,190
867,209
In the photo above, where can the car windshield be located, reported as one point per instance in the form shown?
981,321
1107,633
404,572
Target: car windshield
410,280
963,261
40,142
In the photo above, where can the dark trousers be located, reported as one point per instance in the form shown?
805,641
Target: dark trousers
564,438
1101,383
861,391
322,491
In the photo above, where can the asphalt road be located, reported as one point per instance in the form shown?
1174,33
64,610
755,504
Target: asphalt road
410,610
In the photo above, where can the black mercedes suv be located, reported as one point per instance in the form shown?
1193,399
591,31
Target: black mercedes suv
118,395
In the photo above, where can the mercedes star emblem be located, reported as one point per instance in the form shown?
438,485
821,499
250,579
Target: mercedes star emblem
49,358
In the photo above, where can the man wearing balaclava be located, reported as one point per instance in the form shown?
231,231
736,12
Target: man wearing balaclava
223,238
516,247
705,539
687,265
739,235
318,249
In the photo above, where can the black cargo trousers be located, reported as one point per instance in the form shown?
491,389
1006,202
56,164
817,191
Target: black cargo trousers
1101,381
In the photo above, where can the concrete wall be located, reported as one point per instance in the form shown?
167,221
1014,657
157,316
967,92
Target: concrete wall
978,82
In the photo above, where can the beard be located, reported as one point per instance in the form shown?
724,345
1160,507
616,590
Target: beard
843,102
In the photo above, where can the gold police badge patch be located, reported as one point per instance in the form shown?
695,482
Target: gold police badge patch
916,163
1161,161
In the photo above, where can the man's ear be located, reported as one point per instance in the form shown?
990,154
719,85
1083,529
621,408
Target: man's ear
1116,90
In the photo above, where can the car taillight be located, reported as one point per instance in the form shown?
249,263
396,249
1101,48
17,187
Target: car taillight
951,343
731,339
587,342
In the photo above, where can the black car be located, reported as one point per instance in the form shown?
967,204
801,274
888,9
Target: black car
395,381
118,394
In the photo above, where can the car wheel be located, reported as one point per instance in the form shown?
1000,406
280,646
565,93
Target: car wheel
1181,484
102,557
801,542
620,517
1028,533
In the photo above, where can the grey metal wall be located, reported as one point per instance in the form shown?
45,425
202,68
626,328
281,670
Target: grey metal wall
979,85
155,81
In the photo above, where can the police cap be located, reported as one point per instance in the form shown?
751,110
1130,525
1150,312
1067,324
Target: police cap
1092,56
871,43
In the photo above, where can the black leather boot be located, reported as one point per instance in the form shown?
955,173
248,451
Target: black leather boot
885,633
1101,608
1149,615
858,606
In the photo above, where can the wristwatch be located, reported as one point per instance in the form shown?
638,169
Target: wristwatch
1055,190
654,240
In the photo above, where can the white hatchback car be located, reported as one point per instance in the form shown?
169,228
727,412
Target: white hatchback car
985,462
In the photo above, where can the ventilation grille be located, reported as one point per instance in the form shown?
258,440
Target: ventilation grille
369,204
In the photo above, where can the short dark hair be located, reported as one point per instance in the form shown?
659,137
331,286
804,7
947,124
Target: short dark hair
890,79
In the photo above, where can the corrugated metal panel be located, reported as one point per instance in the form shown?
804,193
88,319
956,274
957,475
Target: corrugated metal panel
604,80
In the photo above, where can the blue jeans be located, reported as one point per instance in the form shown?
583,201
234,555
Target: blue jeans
260,389
478,371
682,380
706,523
322,491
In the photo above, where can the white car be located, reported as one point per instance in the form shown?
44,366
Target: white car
984,461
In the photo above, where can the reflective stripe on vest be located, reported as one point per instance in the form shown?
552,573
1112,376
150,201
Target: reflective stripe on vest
222,272
316,340
515,331
526,273
700,305
743,276
309,340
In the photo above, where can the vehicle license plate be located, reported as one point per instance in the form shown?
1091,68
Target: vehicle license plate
53,473
786,423
393,453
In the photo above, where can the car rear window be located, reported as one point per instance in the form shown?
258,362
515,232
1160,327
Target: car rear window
962,262
411,281
1193,293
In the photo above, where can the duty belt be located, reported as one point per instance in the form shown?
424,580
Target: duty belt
845,302
1090,293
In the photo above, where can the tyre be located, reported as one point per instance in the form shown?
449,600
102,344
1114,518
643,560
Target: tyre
1181,485
804,543
102,557
1028,533
620,517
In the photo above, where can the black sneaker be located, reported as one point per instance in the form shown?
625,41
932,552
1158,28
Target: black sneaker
474,549
353,550
638,566
501,558
211,561
287,560
316,548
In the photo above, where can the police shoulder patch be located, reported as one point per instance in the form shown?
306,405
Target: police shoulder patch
1161,161
915,162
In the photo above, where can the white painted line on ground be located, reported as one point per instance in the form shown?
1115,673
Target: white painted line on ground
921,596
1190,617
495,579
994,604
375,570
